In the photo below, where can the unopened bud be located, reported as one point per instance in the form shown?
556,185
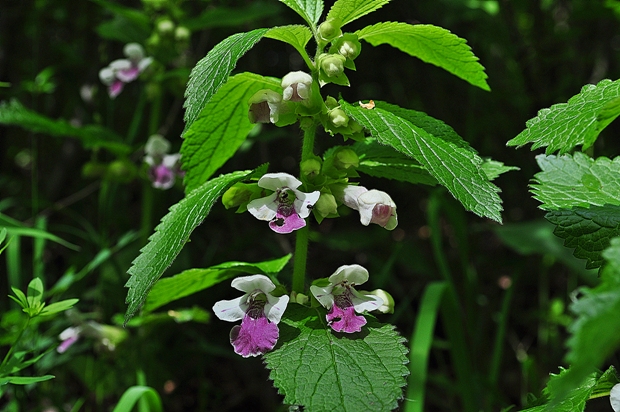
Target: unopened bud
345,158
332,64
165,27
338,117
182,33
310,167
329,30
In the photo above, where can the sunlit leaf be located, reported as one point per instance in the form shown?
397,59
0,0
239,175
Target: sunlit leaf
309,10
346,11
431,44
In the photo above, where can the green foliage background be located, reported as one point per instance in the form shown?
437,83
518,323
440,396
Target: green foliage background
536,54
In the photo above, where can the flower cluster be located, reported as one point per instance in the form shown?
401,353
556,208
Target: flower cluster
163,167
122,71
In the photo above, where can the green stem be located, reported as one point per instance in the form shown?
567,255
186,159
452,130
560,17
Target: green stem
300,258
302,235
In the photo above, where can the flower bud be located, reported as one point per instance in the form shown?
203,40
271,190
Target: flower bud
332,64
165,27
182,33
347,46
238,194
156,145
345,158
310,167
326,205
121,170
329,30
338,117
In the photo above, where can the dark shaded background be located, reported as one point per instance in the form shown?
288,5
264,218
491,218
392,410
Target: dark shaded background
536,54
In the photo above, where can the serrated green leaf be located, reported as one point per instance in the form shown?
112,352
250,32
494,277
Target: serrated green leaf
325,371
213,70
58,307
594,333
24,380
171,235
382,161
573,400
588,231
604,384
348,10
493,169
431,44
231,16
309,10
578,180
297,36
577,122
454,167
91,136
194,280
221,127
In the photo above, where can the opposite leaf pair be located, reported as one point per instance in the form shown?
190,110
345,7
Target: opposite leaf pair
260,311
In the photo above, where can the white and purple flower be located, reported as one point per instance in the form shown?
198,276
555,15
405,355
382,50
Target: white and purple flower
68,337
296,86
614,397
374,206
342,300
163,167
286,208
259,312
122,71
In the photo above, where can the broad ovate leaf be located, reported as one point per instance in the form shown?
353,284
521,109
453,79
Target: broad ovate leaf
297,36
455,167
213,70
430,44
568,181
171,235
322,370
345,11
564,126
221,127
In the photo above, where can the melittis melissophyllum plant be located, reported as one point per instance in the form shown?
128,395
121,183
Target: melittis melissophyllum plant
318,336
581,195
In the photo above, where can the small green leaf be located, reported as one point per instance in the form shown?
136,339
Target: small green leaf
346,11
382,161
326,371
91,136
588,231
578,180
19,298
493,169
221,127
577,122
24,380
431,44
58,307
309,10
213,70
171,235
194,280
296,35
454,167
35,292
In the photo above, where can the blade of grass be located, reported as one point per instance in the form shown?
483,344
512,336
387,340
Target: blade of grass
134,394
39,245
421,342
13,262
453,314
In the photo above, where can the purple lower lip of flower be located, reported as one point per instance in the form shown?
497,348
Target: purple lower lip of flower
345,320
115,88
254,337
128,75
162,177
287,220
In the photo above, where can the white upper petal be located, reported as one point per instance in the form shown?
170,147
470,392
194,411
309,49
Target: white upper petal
171,160
253,282
351,194
276,181
304,202
614,398
365,303
367,201
144,63
231,310
296,77
323,295
120,64
275,307
264,208
354,274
